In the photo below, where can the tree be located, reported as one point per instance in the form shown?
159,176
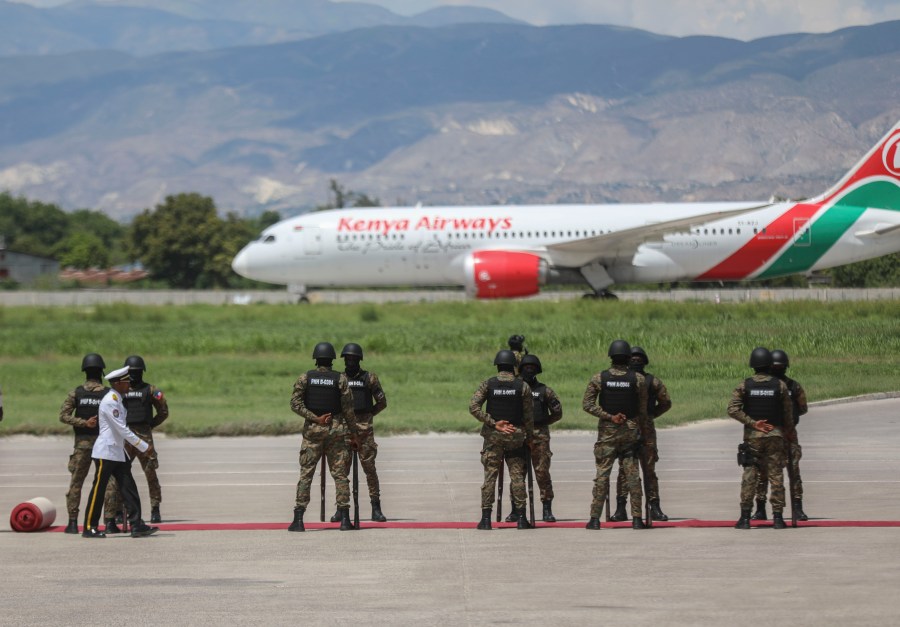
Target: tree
343,197
184,242
83,250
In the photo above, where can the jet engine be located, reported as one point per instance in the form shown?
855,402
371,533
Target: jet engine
504,274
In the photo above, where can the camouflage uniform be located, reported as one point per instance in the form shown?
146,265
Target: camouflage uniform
767,448
328,440
519,355
499,445
648,454
365,438
144,430
80,461
540,448
616,441
799,407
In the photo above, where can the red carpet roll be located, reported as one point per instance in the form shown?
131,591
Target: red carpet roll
34,515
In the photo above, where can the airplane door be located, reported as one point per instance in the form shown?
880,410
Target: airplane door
802,232
312,240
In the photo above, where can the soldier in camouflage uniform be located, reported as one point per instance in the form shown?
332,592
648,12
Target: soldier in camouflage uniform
517,346
322,396
507,428
368,401
618,398
762,404
780,364
658,404
141,401
546,410
80,411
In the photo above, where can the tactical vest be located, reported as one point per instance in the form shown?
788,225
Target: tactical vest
323,392
137,403
762,400
619,394
87,404
362,394
652,401
794,391
541,412
504,400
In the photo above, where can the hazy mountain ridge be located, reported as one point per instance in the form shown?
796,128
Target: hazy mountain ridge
459,114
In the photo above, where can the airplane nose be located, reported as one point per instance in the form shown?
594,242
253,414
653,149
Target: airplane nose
241,263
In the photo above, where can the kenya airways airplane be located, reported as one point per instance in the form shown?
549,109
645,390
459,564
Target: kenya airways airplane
510,251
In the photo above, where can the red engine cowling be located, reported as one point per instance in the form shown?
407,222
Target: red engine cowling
504,274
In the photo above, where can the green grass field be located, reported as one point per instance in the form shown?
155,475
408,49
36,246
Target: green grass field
229,370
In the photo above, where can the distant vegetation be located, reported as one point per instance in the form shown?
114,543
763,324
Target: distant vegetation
230,370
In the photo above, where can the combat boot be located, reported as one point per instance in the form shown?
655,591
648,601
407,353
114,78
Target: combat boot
513,516
297,525
638,523
377,515
72,527
620,514
548,513
337,516
760,513
797,504
111,526
485,522
593,523
92,533
346,525
744,521
154,515
522,520
140,529
778,521
655,512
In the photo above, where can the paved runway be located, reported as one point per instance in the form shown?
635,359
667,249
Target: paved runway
819,575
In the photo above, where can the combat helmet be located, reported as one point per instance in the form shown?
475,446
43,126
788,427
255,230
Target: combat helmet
760,358
780,358
324,350
135,362
532,360
92,360
638,351
619,348
505,358
352,350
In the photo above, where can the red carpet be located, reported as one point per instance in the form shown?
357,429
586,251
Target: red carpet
33,515
687,523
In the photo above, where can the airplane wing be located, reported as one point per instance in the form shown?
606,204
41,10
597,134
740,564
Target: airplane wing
880,231
622,245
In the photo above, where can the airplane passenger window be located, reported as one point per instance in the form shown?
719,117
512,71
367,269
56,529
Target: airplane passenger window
738,231
729,231
764,231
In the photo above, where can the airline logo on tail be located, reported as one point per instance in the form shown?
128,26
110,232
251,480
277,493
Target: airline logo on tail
863,187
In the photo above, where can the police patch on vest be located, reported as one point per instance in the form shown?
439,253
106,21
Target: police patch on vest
502,392
618,384
328,382
762,392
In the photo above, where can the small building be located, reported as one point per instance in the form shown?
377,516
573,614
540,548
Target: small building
25,269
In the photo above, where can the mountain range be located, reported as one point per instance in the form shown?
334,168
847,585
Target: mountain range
458,113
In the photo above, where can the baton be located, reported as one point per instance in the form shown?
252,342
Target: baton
355,490
643,469
500,491
322,473
608,514
530,472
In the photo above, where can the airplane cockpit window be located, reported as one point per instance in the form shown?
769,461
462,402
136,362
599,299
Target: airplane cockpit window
268,239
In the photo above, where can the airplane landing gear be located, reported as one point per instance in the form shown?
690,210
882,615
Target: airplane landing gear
299,291
600,295
598,278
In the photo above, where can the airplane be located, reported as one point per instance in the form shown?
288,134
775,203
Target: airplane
511,251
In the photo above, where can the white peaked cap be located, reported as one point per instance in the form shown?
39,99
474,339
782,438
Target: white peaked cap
115,375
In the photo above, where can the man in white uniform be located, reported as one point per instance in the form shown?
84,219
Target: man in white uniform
111,459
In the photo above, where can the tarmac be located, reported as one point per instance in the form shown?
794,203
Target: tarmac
223,555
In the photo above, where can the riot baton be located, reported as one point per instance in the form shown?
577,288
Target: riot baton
500,490
608,511
529,470
790,473
322,478
355,490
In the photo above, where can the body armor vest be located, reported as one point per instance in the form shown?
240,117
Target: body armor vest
323,392
362,394
762,401
504,400
618,393
137,403
793,390
541,412
87,404
652,401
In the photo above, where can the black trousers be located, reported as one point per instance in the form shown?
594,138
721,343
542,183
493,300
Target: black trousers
104,469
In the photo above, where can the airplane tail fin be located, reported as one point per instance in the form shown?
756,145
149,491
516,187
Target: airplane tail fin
882,163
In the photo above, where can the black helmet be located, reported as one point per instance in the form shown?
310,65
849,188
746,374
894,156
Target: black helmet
637,350
135,362
760,358
324,350
352,350
619,348
505,358
780,358
533,360
515,341
92,360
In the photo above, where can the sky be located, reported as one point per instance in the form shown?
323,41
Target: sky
738,19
